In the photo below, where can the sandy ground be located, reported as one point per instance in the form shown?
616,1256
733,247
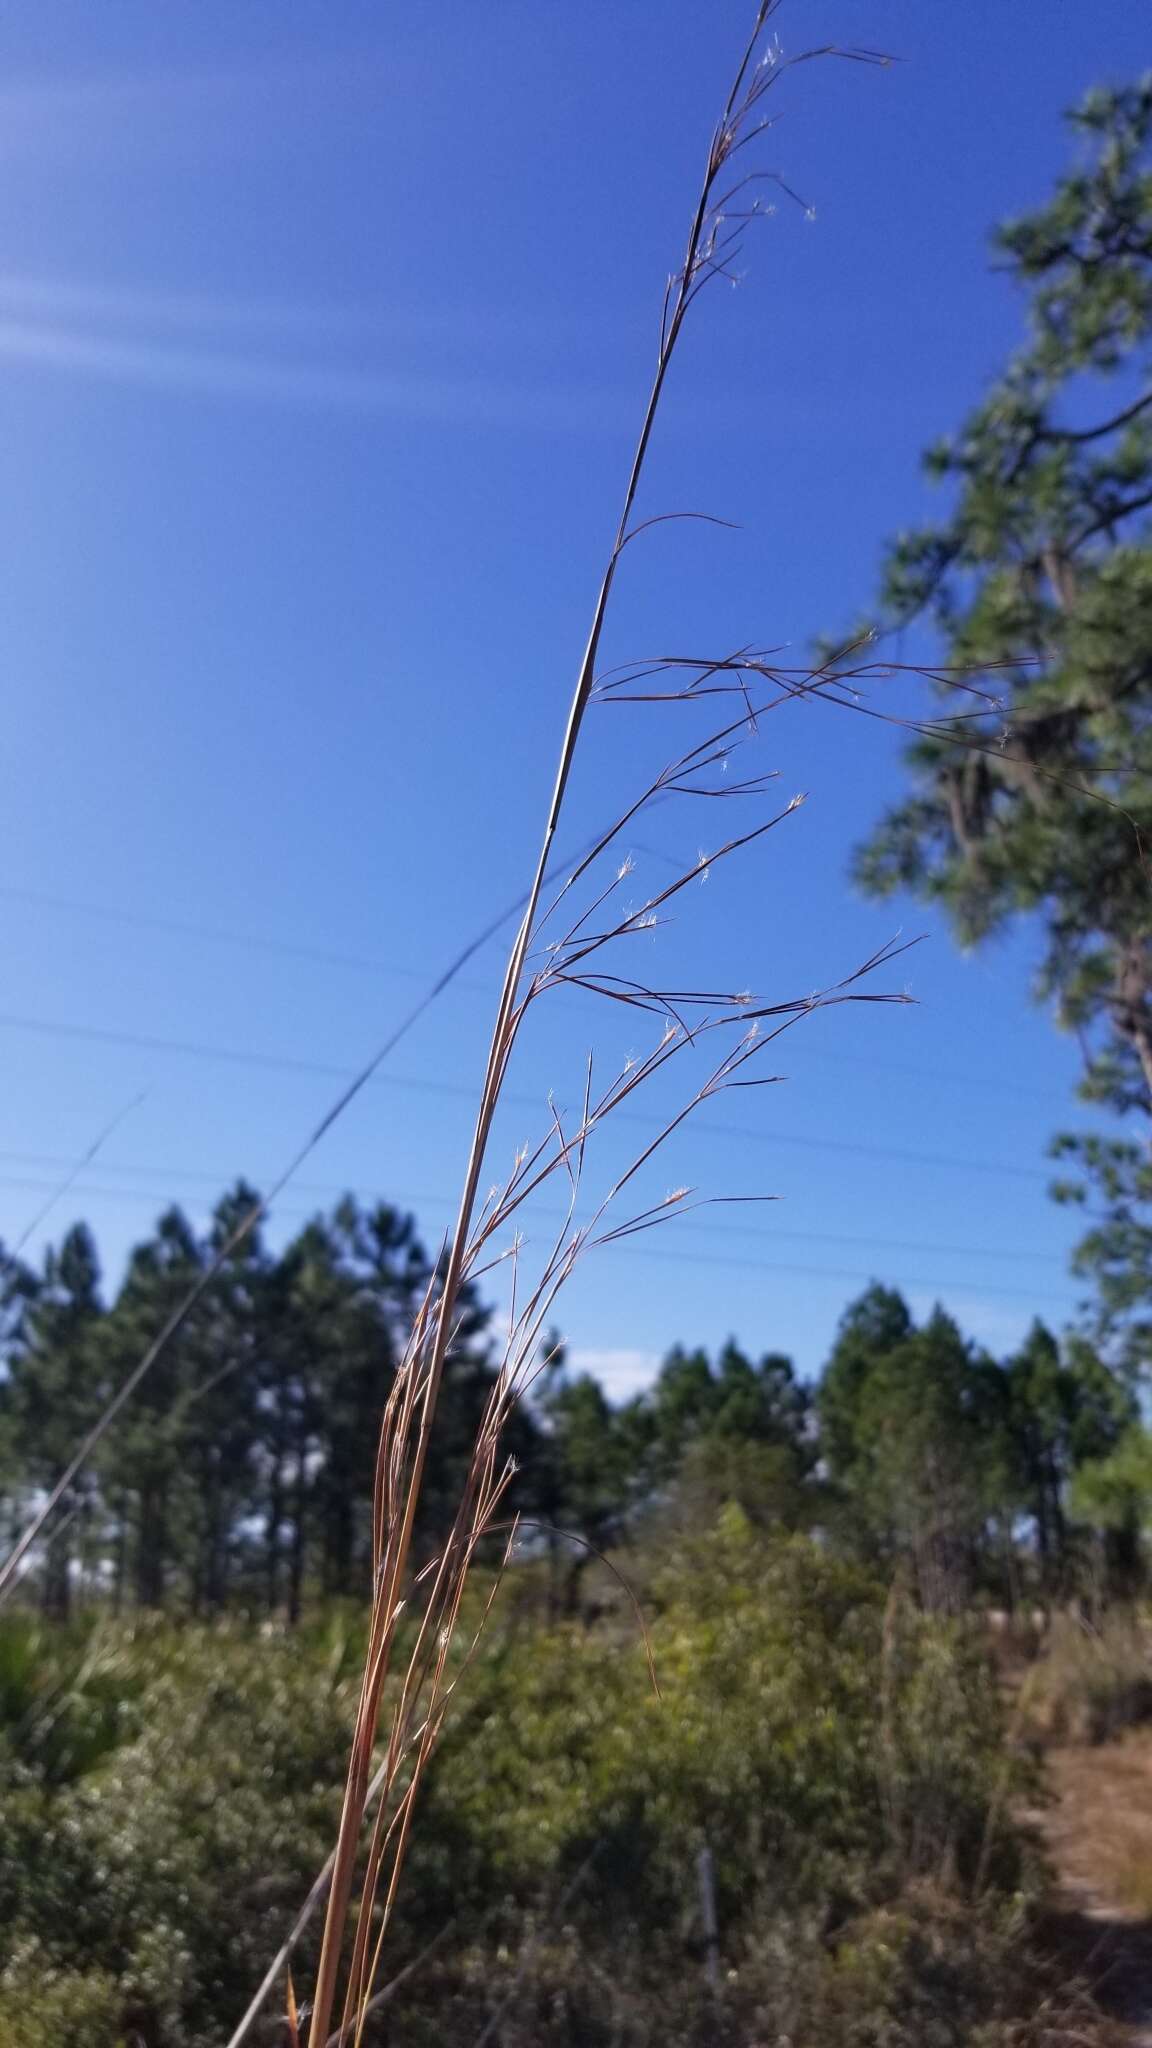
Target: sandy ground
1098,1832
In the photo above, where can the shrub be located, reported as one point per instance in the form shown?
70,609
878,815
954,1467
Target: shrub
42,2004
928,1972
173,1864
816,1753
834,1753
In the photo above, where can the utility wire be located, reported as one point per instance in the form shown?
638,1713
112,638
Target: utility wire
57,1191
256,942
333,1190
747,1264
191,1049
406,970
235,1237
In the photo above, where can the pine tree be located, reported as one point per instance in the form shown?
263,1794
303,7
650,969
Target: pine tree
870,1328
917,1439
1065,1409
215,1421
1044,560
345,1293
143,1468
54,1390
1116,1253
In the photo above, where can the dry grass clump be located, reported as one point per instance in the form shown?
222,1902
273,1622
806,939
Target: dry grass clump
1098,1829
1097,1832
1133,1867
1092,1680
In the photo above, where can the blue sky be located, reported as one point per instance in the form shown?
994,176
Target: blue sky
323,338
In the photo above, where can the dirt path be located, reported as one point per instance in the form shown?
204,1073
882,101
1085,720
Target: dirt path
1098,1833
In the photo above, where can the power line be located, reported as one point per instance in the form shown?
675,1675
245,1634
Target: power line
291,949
139,1041
843,1273
72,1170
639,1250
333,1190
405,970
285,1063
223,1251
257,942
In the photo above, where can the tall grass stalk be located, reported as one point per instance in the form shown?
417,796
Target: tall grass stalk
591,921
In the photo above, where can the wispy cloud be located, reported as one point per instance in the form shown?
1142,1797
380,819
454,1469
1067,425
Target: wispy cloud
54,298
620,1373
456,400
142,307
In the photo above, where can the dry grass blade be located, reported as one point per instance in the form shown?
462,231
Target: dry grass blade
12,1255
292,2015
388,1992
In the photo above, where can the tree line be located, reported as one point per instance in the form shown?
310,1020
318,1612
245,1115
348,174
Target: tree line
241,1472
242,1467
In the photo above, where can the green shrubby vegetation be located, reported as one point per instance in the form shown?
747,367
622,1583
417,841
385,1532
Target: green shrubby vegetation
812,1564
170,1791
167,1799
821,1717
